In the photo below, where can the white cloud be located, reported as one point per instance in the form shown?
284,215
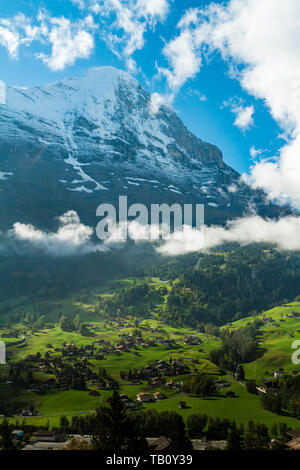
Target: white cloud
200,96
280,178
153,9
71,238
244,117
69,42
243,114
133,18
255,152
10,40
283,234
80,3
183,59
15,32
260,41
156,102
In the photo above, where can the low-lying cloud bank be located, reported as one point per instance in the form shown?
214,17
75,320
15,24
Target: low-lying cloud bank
74,238
71,238
283,234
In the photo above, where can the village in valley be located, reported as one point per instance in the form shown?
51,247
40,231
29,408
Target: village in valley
65,363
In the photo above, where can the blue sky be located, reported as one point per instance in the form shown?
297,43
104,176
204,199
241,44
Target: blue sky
214,97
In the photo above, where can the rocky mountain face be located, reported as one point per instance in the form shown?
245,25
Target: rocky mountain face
85,141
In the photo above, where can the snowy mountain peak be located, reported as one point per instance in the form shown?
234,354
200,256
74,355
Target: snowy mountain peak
81,140
98,86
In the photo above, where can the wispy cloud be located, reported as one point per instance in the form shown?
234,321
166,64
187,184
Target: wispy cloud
16,31
131,18
193,92
254,152
243,114
283,234
68,40
80,3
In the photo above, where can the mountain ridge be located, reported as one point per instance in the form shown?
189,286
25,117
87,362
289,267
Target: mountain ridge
86,140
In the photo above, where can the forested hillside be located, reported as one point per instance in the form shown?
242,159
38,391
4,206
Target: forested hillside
214,287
